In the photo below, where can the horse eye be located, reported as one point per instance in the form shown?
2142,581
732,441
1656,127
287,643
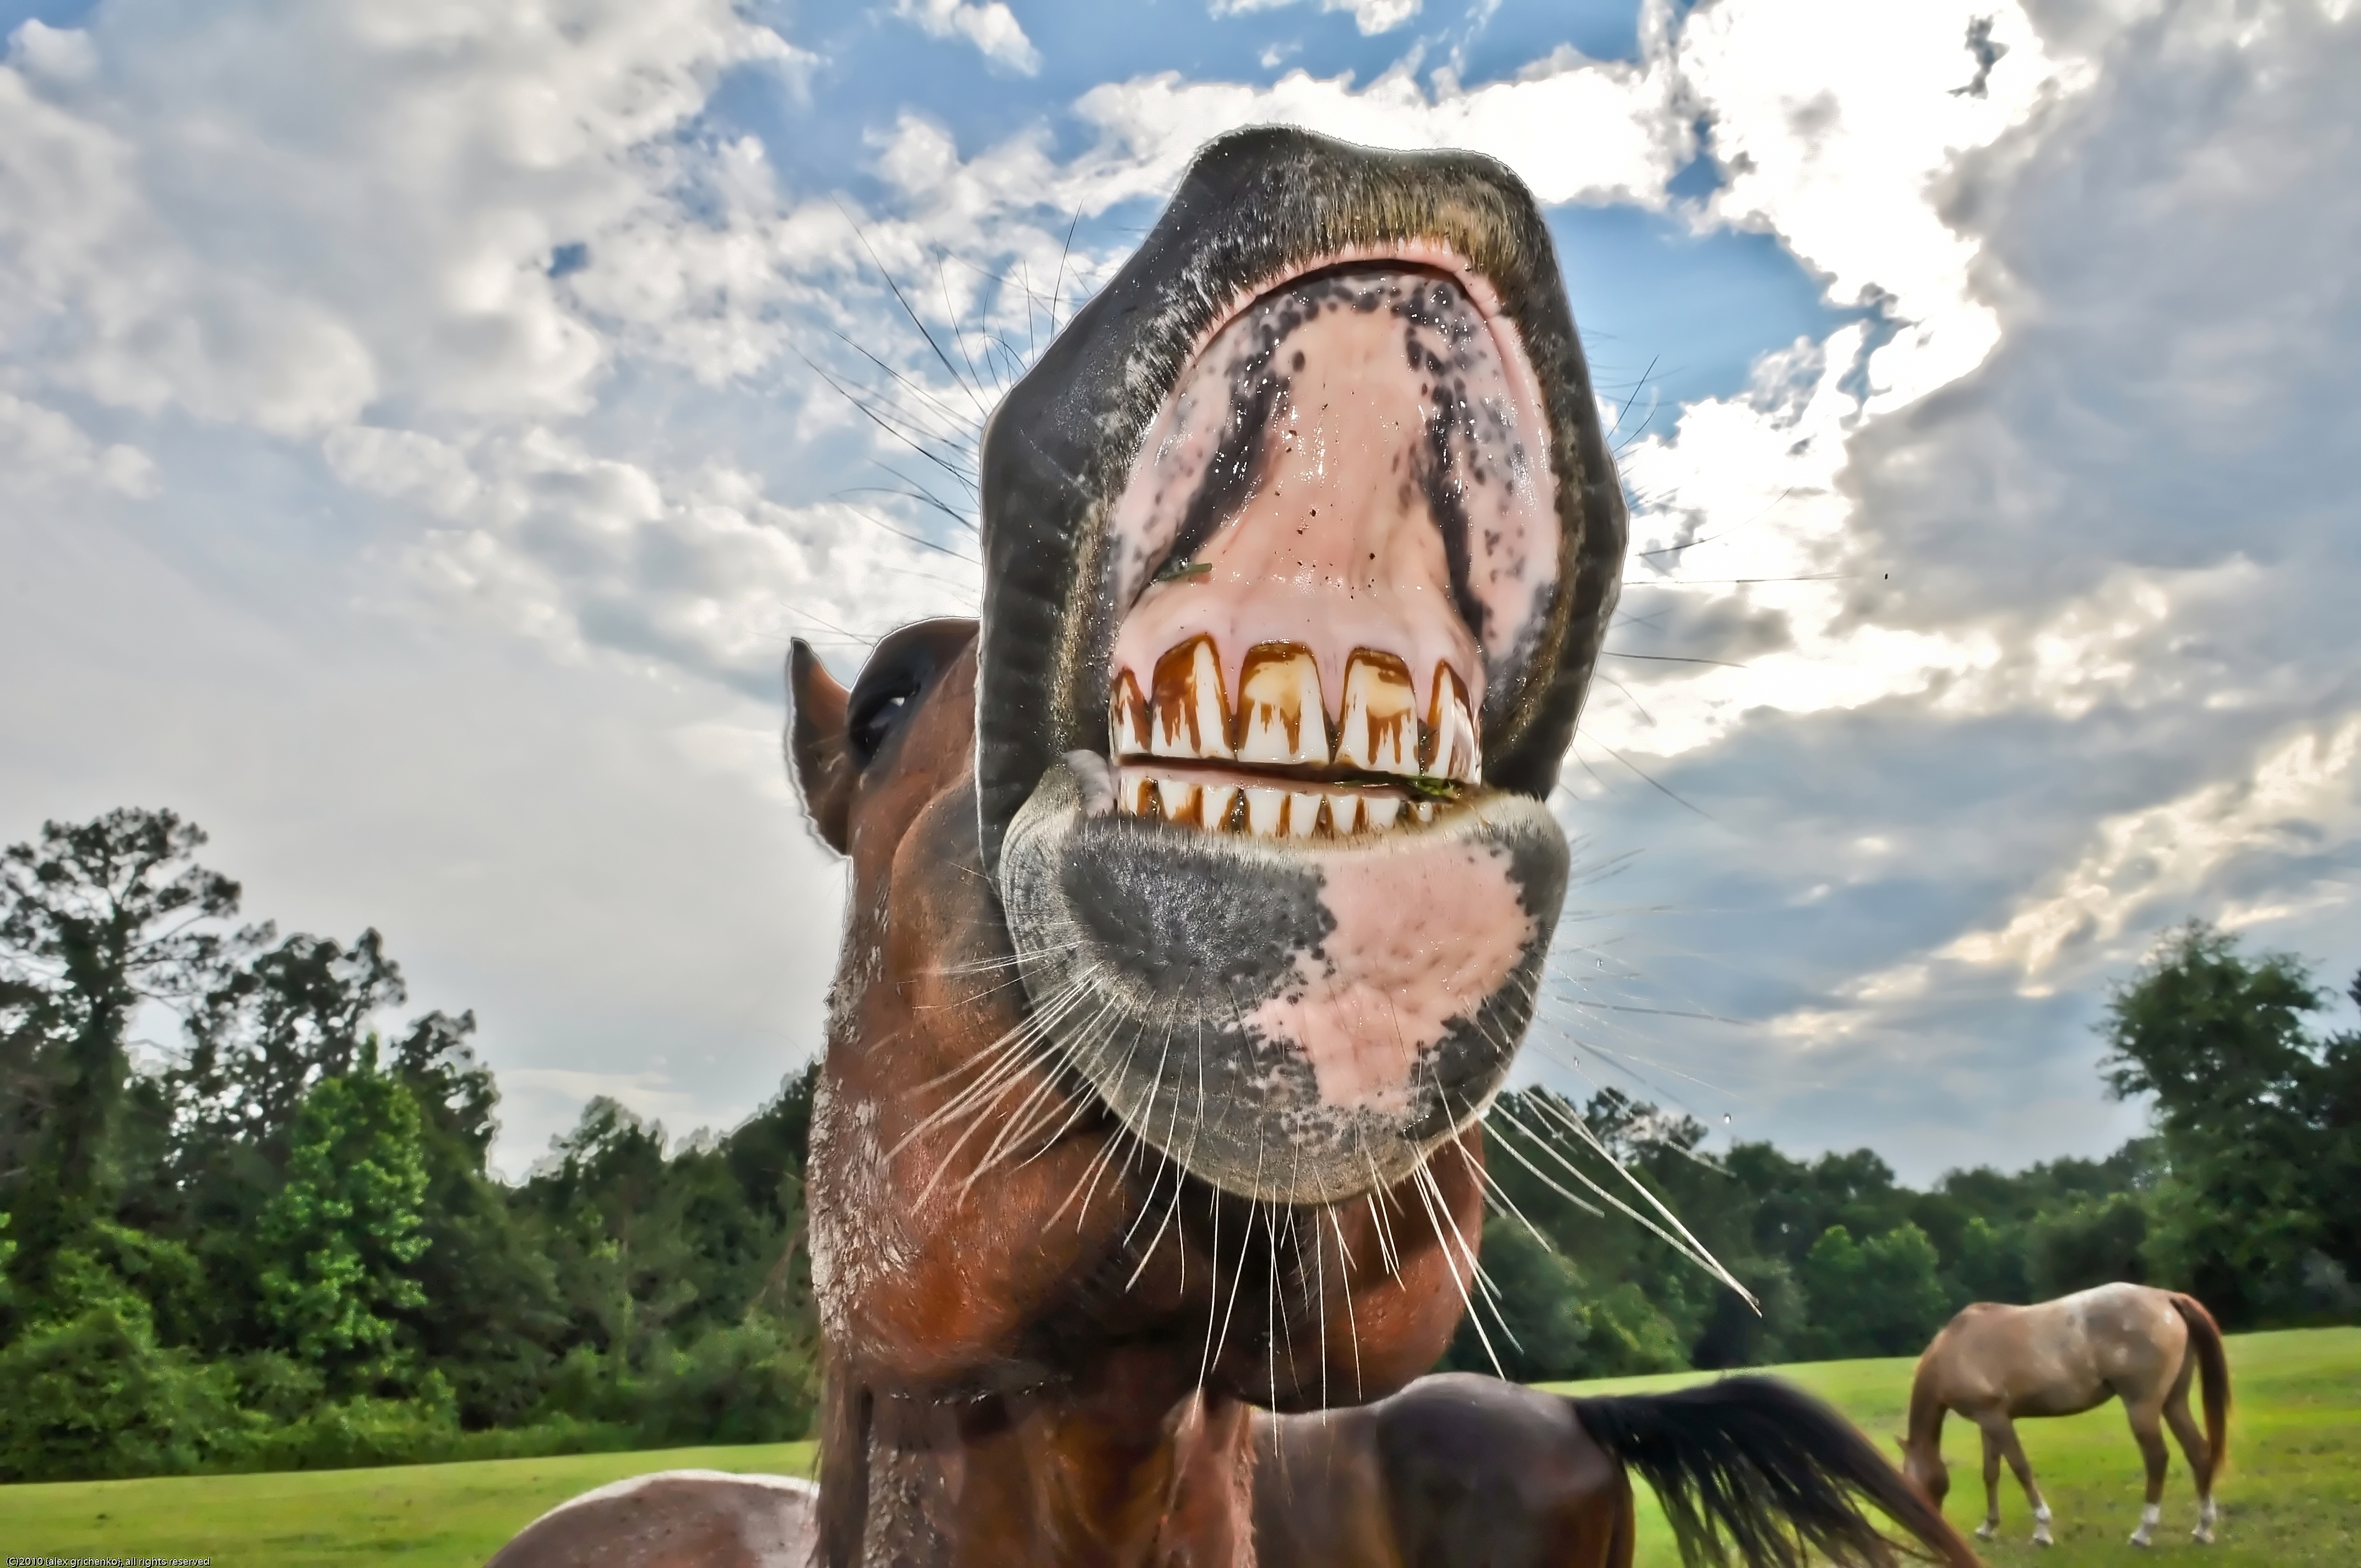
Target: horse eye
875,715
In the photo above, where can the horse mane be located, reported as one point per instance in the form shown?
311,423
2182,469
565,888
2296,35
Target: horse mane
2213,1369
1772,1468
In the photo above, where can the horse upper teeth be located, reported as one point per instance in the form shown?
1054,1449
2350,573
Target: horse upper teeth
1127,719
1450,750
1281,720
1189,717
1379,733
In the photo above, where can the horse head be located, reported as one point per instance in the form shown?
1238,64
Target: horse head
1925,1467
1200,891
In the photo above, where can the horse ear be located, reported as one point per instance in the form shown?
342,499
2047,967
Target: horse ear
816,749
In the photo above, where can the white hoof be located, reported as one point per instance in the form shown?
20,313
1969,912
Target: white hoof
2041,1537
1987,1530
2139,1536
2203,1535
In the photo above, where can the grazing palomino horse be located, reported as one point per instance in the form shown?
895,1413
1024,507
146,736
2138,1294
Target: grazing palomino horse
1993,1364
1199,899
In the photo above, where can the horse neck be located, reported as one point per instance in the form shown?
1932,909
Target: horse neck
1927,1411
1123,1464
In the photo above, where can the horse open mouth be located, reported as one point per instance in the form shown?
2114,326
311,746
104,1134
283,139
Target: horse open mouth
1334,527
1299,544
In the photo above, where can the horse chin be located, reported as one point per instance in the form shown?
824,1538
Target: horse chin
1296,1021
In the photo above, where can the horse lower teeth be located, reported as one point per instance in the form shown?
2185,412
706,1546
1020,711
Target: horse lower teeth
1265,811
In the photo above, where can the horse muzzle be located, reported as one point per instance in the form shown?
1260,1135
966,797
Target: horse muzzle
1300,544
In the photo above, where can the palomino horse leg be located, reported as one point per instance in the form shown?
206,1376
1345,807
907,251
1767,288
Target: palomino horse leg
2003,1431
2201,1460
2148,1430
1991,1527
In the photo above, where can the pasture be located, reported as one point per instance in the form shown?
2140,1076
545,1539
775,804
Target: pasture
2292,1495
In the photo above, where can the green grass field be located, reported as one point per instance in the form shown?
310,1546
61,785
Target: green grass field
2292,1497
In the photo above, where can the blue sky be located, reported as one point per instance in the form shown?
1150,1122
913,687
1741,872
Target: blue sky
412,466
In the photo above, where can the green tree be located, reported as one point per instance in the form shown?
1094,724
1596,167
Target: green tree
2217,1039
1990,1263
2337,1100
95,1396
269,1029
493,1319
343,1232
97,919
2093,1242
1881,1297
1531,1318
1545,1323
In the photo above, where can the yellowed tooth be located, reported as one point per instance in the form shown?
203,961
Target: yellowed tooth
1265,807
1179,799
1379,732
1131,792
1302,813
1280,717
1188,715
1127,718
1451,751
1383,811
1422,809
1343,814
1214,806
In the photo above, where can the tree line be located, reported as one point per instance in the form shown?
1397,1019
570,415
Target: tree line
272,1239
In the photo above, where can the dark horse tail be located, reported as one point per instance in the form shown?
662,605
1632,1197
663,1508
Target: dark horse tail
2214,1370
1753,1466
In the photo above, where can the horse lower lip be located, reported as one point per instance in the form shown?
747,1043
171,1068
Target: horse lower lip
1337,1009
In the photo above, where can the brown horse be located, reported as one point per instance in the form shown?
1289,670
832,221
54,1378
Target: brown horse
1199,899
1993,1364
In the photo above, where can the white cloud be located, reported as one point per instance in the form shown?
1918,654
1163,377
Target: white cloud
283,222
2295,794
703,573
1836,124
58,54
42,448
1574,130
992,29
1372,16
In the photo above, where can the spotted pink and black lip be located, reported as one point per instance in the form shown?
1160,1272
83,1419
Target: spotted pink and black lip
1300,544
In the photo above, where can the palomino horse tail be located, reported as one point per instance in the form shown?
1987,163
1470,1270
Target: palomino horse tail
1771,1468
2212,1369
